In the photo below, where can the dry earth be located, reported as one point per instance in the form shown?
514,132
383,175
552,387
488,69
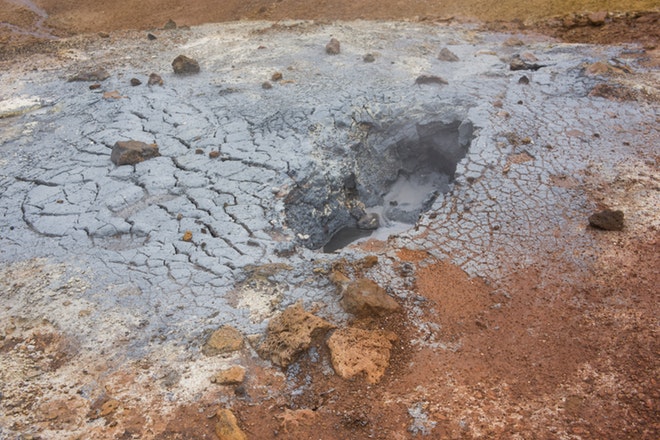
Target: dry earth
572,353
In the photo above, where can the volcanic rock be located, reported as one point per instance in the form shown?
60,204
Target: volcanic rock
155,80
184,65
227,426
290,333
355,351
333,47
132,152
364,297
430,79
224,340
448,55
232,376
96,74
607,219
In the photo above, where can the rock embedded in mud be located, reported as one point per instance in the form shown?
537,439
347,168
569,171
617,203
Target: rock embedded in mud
430,79
607,220
171,24
333,47
448,55
155,80
290,333
96,74
232,376
132,152
226,339
597,18
364,297
356,351
184,65
227,426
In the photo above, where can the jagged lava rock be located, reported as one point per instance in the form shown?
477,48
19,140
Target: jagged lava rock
132,152
290,333
364,297
356,351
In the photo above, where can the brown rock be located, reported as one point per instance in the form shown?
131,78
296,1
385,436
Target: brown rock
227,427
171,24
513,41
184,65
187,236
448,55
112,95
132,152
224,340
597,18
155,80
430,79
366,298
232,376
135,82
369,58
607,219
290,333
96,74
355,351
266,85
95,86
277,76
333,47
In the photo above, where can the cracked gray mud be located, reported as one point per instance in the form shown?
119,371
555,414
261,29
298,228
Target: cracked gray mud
284,169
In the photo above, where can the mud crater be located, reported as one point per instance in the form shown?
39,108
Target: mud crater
387,179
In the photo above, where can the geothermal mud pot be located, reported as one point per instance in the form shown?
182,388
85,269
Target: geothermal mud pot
260,190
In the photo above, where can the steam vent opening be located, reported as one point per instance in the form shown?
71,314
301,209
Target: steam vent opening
390,177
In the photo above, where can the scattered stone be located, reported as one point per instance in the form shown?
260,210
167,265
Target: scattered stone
171,24
485,52
96,74
607,220
523,80
518,63
104,35
151,36
187,236
213,154
369,222
112,95
232,376
364,297
277,76
199,151
132,152
333,47
369,58
430,79
266,85
356,351
290,333
513,41
227,426
448,55
529,57
184,65
597,18
95,86
135,82
226,339
155,80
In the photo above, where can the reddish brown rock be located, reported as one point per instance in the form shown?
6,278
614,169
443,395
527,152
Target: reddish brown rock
132,152
607,220
597,18
226,339
290,333
155,80
366,298
227,426
355,351
232,376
